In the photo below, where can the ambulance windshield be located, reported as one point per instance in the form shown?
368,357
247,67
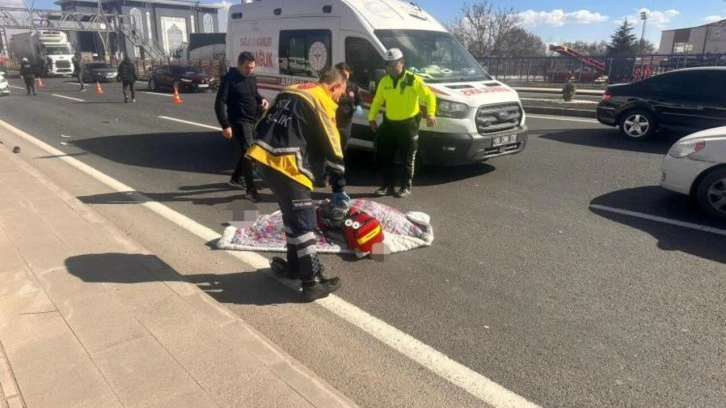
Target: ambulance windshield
436,56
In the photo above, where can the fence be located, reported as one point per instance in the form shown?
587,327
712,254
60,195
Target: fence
617,69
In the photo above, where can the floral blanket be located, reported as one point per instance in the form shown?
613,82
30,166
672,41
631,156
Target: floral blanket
402,232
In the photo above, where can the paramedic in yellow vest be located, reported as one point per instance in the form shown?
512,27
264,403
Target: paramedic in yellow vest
297,135
402,93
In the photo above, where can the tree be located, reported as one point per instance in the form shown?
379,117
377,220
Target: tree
486,32
623,42
647,47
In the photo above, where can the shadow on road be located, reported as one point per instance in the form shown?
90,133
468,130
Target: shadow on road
655,201
251,288
607,138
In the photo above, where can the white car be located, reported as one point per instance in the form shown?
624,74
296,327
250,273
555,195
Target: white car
4,86
696,166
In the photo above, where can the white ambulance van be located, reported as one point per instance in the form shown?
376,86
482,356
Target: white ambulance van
292,40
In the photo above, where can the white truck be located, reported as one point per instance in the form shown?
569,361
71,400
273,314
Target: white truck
49,46
292,40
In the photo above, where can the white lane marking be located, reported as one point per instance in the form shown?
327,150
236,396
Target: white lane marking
157,93
563,118
697,227
17,87
476,384
202,125
68,97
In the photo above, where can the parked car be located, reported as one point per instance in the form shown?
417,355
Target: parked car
182,77
99,72
691,99
4,86
696,166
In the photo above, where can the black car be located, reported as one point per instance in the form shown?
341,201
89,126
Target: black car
99,72
689,99
182,77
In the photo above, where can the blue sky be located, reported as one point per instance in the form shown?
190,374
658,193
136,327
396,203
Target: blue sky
557,21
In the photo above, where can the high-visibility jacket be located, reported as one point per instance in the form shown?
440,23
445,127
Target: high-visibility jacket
298,134
402,97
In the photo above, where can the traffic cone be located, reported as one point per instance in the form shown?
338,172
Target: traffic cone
176,99
40,82
99,90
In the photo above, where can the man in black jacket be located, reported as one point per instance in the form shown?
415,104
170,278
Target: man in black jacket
27,72
348,105
127,74
238,106
295,136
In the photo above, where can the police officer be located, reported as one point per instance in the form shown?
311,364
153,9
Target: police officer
401,91
296,135
238,106
27,72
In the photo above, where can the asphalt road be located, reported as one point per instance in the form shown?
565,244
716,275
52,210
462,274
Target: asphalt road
526,283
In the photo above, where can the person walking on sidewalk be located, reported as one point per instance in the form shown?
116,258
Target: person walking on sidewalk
297,134
27,72
78,72
238,106
401,91
127,74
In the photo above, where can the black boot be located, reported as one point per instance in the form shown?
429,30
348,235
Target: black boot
319,287
282,267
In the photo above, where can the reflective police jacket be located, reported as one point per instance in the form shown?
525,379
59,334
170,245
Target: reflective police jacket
402,97
298,134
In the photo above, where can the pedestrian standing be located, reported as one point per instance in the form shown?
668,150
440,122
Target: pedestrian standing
78,72
402,92
127,74
27,72
238,107
348,105
296,134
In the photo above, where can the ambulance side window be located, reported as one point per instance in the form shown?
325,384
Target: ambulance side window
304,52
365,61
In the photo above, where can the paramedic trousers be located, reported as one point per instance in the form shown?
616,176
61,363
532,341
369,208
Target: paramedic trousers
300,221
29,83
244,134
397,138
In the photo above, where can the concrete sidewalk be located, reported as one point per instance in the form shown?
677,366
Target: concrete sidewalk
89,318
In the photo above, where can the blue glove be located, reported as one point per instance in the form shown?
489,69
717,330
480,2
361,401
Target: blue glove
358,110
341,198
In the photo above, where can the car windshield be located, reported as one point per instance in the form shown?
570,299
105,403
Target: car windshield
434,55
57,50
98,66
186,69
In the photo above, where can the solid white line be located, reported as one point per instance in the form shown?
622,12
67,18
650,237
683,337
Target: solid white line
476,384
157,93
562,118
664,220
17,87
202,125
68,97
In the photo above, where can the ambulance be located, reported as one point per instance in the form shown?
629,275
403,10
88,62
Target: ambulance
478,117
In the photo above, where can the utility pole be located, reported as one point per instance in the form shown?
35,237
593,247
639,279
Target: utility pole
644,17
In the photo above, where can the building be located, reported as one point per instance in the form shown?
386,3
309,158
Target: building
705,39
142,28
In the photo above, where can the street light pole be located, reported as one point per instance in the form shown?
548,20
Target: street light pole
644,17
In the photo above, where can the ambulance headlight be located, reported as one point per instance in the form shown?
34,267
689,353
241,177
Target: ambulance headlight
448,109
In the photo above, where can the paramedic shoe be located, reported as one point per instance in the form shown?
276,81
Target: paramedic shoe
237,184
319,288
384,191
282,267
405,191
252,195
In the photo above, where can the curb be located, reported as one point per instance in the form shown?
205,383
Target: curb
578,113
10,396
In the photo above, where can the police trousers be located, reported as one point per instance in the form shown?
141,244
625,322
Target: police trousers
397,138
299,219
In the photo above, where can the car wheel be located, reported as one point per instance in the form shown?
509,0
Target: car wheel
711,193
152,85
637,124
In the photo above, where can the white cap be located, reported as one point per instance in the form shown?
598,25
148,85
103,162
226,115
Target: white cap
25,59
393,54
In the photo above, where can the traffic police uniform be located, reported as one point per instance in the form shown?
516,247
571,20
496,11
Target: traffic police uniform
297,134
399,131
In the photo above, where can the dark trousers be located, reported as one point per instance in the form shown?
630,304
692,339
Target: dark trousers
29,83
244,134
130,86
299,219
79,77
397,138
345,130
